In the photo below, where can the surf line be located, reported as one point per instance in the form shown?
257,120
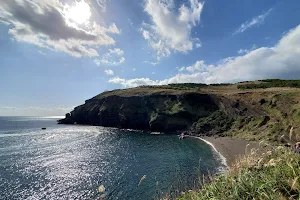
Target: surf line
222,158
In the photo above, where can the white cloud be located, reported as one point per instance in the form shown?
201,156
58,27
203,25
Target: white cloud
105,61
116,51
134,69
171,28
279,61
133,82
151,63
9,107
146,34
97,62
122,60
199,66
109,72
244,51
49,24
42,53
256,21
180,69
112,57
198,45
34,111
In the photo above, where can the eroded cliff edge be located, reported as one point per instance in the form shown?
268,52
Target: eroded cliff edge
196,108
155,112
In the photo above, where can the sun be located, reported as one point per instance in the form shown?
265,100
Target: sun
80,13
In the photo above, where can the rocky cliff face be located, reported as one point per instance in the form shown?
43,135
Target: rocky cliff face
155,112
214,110
159,112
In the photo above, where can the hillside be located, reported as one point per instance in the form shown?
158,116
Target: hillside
251,110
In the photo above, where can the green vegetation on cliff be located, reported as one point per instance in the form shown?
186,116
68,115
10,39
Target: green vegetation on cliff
281,112
215,124
217,109
269,83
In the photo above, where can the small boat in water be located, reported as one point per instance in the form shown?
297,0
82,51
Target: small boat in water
43,128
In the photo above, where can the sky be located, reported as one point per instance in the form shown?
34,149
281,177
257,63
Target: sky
55,54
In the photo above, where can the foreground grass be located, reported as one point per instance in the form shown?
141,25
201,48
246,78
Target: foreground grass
274,175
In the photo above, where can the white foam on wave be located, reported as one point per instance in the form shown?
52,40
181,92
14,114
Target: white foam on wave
220,156
156,133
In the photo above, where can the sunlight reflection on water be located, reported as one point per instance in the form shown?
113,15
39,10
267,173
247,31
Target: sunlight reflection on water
70,162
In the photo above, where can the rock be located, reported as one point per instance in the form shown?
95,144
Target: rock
262,101
287,145
264,121
101,188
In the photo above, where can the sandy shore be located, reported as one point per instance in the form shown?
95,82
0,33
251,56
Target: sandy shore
230,148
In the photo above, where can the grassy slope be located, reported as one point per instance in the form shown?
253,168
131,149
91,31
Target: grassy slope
274,175
282,110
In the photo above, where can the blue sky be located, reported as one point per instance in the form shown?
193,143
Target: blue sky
57,53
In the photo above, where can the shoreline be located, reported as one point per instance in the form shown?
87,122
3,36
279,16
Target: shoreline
228,149
221,156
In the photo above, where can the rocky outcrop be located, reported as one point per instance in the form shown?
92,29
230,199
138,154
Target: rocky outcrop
155,112
159,112
235,106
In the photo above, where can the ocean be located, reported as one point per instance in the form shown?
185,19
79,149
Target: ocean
72,161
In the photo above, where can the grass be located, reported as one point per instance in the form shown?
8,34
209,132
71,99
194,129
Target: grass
182,88
186,86
280,111
268,83
170,89
273,175
173,107
216,123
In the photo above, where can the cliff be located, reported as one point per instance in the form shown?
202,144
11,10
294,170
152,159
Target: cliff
198,108
156,112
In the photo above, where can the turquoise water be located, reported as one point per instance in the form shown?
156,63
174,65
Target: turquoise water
70,162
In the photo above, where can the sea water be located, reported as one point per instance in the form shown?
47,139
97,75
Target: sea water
72,161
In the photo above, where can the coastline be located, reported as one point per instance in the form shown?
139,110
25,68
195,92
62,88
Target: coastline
221,156
229,149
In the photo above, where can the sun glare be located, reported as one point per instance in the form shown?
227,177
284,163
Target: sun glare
80,13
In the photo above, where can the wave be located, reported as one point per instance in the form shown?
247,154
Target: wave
220,156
